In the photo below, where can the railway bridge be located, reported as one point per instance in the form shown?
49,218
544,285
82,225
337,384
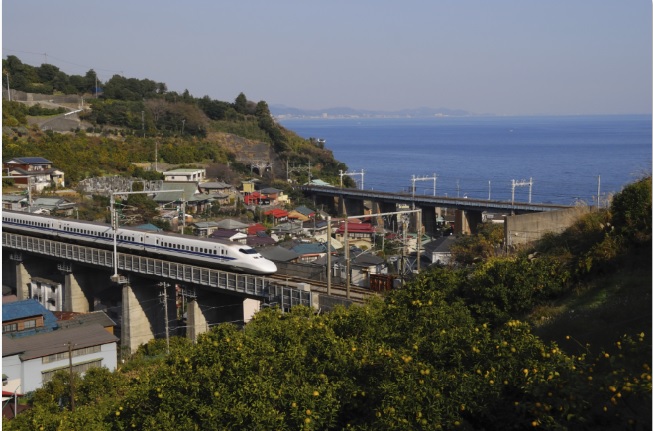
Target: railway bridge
144,295
468,212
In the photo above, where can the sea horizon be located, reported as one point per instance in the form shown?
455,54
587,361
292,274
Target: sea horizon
569,159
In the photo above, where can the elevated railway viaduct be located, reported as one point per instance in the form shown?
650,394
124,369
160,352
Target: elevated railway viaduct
523,222
143,298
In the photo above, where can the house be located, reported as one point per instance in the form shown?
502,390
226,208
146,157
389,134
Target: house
229,235
363,266
310,252
36,171
439,250
359,234
73,320
176,194
217,187
291,228
279,254
222,199
149,227
361,269
315,227
47,292
260,239
255,228
233,224
194,175
205,228
305,211
14,202
26,318
277,215
248,187
256,198
34,359
295,215
275,196
54,206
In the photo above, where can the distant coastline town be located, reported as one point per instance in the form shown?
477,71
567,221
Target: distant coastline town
282,112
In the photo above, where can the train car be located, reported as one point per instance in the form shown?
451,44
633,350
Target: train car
217,254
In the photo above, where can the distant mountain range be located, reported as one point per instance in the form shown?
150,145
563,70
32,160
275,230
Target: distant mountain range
281,111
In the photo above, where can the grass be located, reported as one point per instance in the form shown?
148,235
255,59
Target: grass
599,312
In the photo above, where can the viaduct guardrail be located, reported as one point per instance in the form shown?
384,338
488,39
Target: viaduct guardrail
440,201
245,284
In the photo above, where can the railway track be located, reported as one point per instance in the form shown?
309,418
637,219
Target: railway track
356,294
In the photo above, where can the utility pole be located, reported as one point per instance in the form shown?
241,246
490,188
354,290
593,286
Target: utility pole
347,256
72,376
489,190
598,194
434,178
8,90
328,255
528,183
299,168
165,312
361,173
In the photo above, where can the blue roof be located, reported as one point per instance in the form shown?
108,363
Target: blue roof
31,160
309,248
28,308
149,226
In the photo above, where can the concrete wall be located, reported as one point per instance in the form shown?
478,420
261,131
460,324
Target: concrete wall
524,228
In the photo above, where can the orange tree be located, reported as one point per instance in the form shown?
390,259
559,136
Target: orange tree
415,360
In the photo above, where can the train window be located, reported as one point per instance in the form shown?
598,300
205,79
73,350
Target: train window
247,250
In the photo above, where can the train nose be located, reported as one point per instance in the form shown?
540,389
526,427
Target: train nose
268,267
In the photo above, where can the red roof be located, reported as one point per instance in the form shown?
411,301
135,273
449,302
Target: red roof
258,227
356,228
277,213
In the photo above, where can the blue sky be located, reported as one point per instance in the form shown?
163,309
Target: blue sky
506,57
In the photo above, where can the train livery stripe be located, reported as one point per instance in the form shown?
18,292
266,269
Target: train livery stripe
121,242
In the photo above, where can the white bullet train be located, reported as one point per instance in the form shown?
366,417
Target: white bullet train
218,254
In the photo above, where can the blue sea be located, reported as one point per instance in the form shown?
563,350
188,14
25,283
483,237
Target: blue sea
558,159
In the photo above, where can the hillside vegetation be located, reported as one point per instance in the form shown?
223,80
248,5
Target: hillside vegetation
132,120
456,348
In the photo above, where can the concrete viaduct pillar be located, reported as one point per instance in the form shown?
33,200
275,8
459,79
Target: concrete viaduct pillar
20,268
210,308
429,219
75,299
22,277
383,207
467,221
143,313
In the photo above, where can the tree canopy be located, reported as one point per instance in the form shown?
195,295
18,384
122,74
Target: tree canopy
450,350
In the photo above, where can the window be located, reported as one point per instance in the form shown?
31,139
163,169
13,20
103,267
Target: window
78,368
10,327
29,324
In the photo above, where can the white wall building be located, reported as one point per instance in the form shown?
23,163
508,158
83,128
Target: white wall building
196,175
34,359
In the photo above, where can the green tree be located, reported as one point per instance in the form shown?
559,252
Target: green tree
631,211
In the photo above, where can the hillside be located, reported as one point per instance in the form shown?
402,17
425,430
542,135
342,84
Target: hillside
139,115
